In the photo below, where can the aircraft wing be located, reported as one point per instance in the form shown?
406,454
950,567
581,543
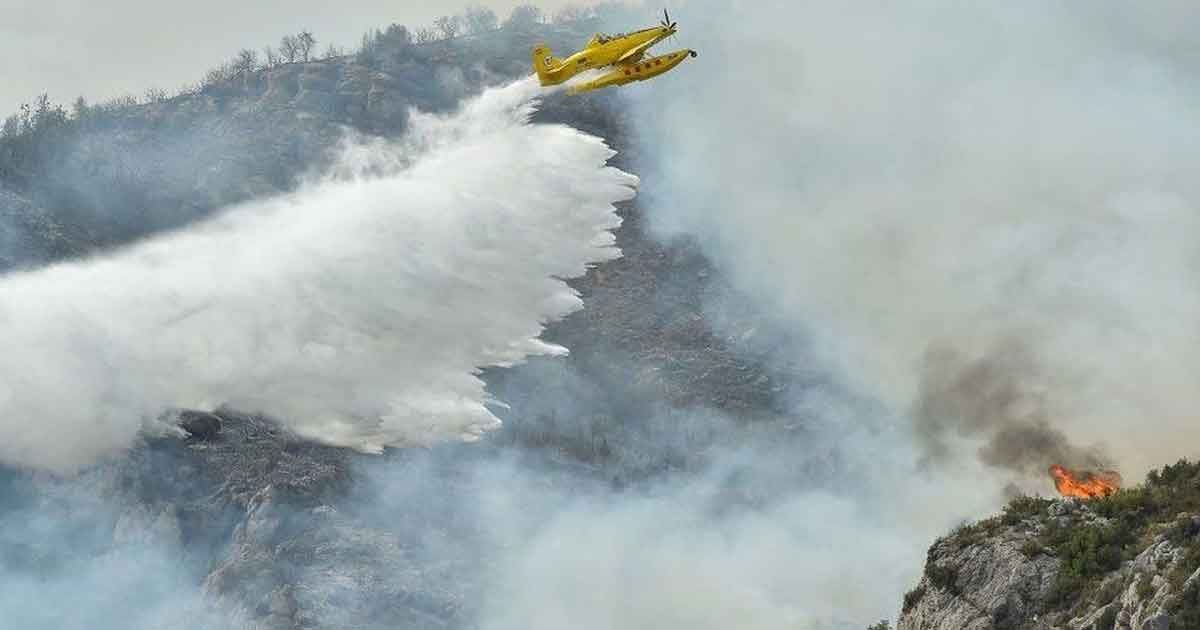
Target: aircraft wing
635,53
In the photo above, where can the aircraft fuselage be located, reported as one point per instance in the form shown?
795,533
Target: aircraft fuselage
599,53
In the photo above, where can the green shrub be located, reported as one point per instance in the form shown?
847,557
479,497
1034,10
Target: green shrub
1085,552
1024,507
1032,548
1132,503
1145,587
1090,551
1186,566
1107,620
1182,530
1065,590
1174,475
974,533
945,578
912,598
1185,611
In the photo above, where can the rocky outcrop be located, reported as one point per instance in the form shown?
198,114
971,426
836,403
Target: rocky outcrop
978,587
1064,565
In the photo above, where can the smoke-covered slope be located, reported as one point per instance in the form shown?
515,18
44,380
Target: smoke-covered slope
255,526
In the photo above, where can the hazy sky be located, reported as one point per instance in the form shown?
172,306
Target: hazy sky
106,49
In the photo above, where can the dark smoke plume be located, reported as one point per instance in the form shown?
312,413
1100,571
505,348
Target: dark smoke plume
998,398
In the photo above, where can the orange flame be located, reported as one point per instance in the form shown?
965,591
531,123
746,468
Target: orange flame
1085,484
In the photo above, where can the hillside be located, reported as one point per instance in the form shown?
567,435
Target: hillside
1131,560
106,174
282,533
691,457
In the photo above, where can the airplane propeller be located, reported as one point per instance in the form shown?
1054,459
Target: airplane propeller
671,25
667,20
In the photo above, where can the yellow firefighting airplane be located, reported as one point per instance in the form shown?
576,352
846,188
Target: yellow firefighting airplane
625,54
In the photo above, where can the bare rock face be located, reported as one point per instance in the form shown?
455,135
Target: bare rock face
979,586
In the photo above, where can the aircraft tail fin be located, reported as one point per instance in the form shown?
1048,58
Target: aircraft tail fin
545,64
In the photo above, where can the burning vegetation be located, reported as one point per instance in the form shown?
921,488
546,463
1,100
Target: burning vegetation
1085,484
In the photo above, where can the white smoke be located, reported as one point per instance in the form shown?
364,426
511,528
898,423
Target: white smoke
358,310
912,185
934,189
732,547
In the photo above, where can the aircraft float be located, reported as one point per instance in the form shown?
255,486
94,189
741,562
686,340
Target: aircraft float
624,55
